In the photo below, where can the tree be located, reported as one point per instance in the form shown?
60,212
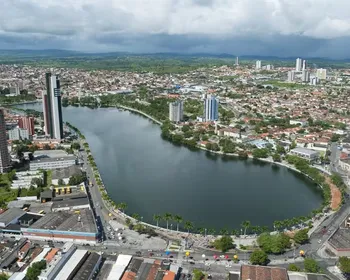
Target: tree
34,271
276,157
311,265
293,267
76,179
259,257
344,265
245,225
198,275
136,216
188,226
167,217
301,237
274,244
75,146
122,206
280,149
178,219
157,218
224,243
38,182
260,153
61,182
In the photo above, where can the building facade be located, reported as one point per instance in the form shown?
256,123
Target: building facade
291,76
5,163
176,111
305,76
258,65
321,74
298,64
27,123
52,107
18,134
52,163
211,108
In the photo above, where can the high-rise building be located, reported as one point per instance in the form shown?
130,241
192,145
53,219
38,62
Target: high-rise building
52,107
237,61
258,65
211,108
298,64
5,163
291,76
305,76
321,74
27,123
314,81
304,65
176,111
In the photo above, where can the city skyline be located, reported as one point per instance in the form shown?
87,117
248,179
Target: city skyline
271,28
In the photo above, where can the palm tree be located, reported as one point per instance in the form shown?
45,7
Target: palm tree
157,218
136,216
277,225
167,217
235,232
201,231
245,225
188,226
223,231
178,220
211,231
122,206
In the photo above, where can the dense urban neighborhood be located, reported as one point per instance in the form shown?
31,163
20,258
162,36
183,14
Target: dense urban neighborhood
58,220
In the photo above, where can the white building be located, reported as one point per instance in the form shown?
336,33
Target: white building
304,65
304,153
24,179
18,134
345,165
258,65
298,64
176,111
321,74
314,81
305,76
52,163
291,76
119,267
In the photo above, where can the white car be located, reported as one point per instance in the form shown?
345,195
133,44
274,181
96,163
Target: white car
319,241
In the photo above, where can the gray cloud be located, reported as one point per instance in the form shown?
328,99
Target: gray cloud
266,27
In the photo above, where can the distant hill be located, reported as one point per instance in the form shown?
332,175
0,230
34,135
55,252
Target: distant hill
57,53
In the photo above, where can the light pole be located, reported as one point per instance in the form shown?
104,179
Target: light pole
205,232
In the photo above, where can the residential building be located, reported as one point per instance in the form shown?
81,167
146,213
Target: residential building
237,61
314,81
258,65
298,64
176,111
304,153
321,74
305,76
304,65
18,134
211,108
291,76
27,123
52,107
5,163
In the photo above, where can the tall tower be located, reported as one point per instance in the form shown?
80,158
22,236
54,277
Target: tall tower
237,61
258,65
52,107
176,111
304,65
298,64
211,108
5,163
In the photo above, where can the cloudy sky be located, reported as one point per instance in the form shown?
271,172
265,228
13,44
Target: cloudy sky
239,27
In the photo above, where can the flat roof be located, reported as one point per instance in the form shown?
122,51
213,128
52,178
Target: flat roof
71,264
340,239
119,267
48,160
88,267
50,153
255,272
304,151
10,215
70,202
67,221
67,172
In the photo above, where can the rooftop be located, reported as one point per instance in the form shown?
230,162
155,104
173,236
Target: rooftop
254,272
70,202
340,239
53,159
304,151
62,173
50,153
88,267
67,221
10,215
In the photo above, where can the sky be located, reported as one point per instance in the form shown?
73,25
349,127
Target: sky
309,28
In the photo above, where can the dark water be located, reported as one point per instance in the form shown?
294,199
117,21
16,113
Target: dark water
153,176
